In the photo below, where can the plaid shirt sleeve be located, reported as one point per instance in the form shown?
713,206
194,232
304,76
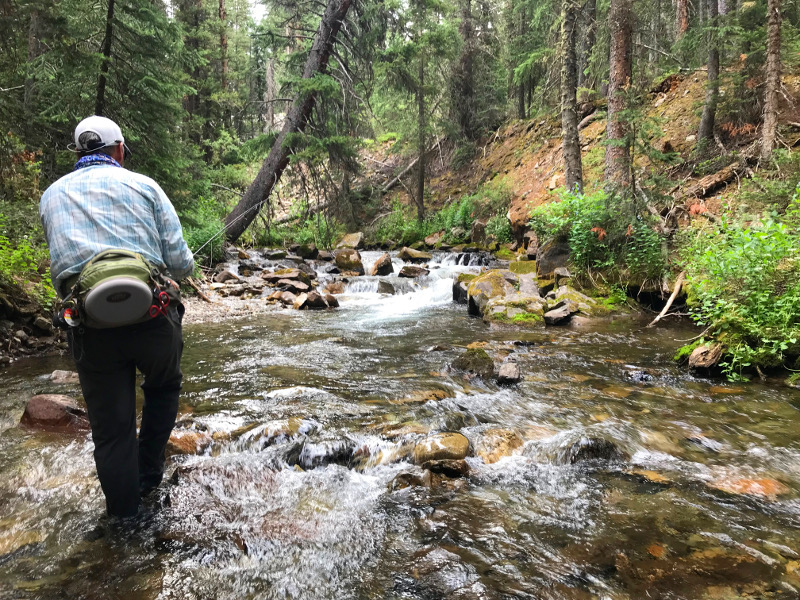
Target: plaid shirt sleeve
103,207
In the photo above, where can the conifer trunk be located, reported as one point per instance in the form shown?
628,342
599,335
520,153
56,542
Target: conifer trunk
706,129
618,158
682,18
223,45
105,50
573,173
773,82
296,119
34,51
421,141
589,21
269,93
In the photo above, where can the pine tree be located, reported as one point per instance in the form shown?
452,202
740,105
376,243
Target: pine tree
773,79
573,173
618,158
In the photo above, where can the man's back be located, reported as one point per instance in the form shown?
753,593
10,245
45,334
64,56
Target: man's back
101,207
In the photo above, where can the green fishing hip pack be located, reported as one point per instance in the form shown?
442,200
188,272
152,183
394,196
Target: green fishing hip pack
115,288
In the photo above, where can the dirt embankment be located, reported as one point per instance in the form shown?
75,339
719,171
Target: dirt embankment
527,155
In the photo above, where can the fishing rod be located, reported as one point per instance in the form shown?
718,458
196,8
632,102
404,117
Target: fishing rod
227,226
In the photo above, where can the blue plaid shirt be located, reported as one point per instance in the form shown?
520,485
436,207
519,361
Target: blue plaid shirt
102,206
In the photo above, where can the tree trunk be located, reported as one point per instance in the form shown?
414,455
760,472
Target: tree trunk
100,101
706,129
296,119
269,93
618,156
421,142
521,88
34,51
463,79
573,174
773,82
682,18
588,18
223,45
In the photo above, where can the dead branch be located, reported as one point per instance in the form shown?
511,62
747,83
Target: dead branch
675,291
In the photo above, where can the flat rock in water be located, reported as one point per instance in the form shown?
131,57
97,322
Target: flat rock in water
352,240
441,446
412,272
508,373
64,377
224,276
54,412
382,266
291,274
292,285
764,487
414,256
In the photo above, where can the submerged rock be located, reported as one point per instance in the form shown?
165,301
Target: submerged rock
593,448
54,412
448,467
475,361
382,266
384,287
764,487
64,377
182,442
495,444
441,446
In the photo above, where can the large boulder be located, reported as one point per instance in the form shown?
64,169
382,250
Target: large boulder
412,271
414,256
492,284
560,313
551,256
441,446
54,412
579,302
293,285
384,287
349,260
352,240
382,266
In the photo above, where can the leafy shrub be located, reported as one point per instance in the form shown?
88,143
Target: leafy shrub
500,227
745,285
603,235
25,264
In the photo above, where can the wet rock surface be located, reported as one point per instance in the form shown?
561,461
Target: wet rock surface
54,412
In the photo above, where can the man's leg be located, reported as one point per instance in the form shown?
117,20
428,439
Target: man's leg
159,359
108,381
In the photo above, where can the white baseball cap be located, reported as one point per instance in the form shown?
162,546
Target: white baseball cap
109,133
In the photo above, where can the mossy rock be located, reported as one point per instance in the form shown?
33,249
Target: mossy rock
505,253
465,277
522,267
349,260
584,303
477,361
518,310
489,285
793,380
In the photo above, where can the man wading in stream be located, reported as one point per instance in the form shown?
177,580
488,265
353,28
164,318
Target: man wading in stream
103,208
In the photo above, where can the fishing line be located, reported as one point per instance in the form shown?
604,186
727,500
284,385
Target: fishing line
226,227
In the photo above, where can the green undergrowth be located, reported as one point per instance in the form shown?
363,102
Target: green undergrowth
454,220
609,237
744,285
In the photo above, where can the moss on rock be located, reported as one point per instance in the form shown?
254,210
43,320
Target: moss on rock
475,360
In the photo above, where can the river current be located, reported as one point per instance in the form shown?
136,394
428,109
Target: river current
305,491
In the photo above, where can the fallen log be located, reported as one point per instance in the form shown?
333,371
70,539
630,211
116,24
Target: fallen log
710,183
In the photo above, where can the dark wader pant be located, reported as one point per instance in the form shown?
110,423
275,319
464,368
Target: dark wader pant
106,361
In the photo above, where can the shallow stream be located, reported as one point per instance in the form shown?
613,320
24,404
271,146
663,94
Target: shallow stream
303,492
